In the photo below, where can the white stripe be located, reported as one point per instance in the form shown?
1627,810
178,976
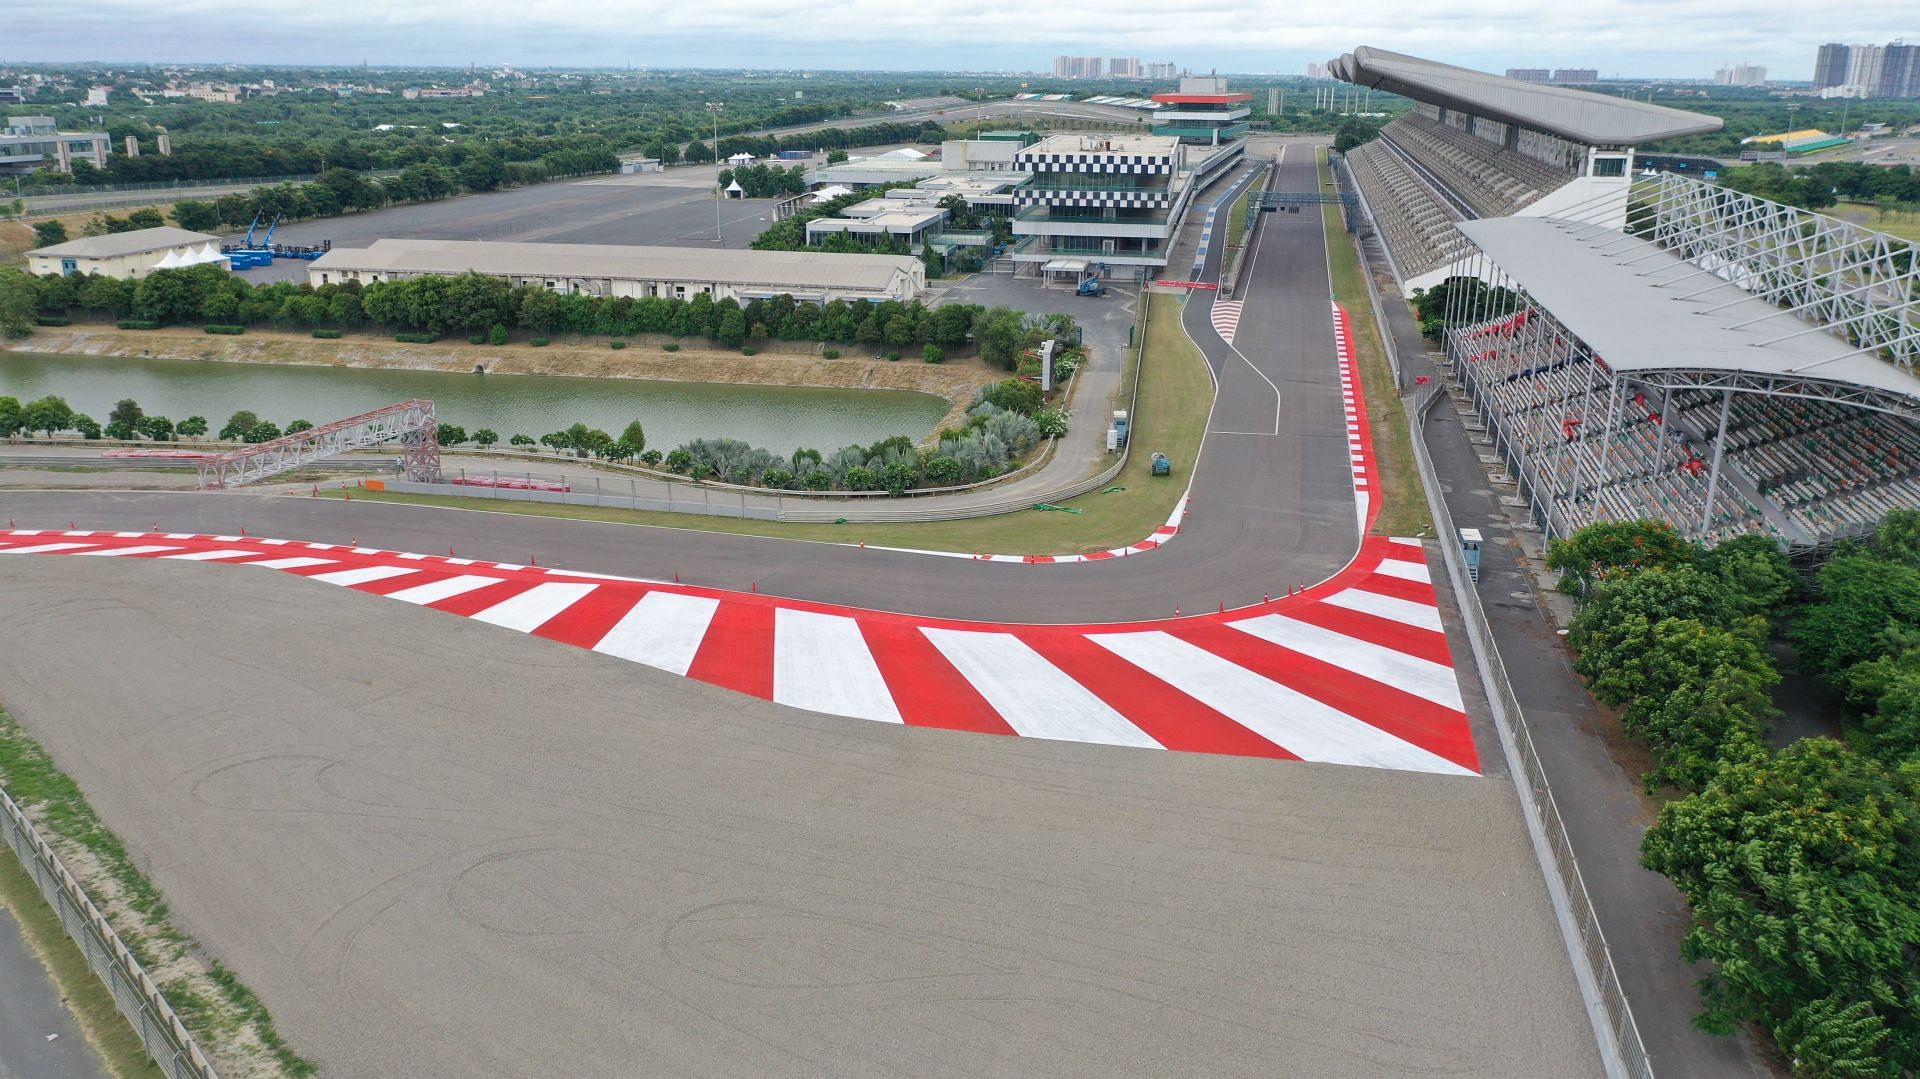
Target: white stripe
1420,677
290,563
1036,698
113,551
1404,611
821,663
1409,542
362,575
532,609
1406,571
663,630
46,548
435,591
129,535
1284,716
208,556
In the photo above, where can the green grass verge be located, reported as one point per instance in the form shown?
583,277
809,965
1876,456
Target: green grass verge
1403,500
62,813
86,996
1175,396
1237,217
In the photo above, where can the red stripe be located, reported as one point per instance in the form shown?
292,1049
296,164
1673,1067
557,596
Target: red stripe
400,583
585,622
1385,632
926,688
1397,587
1167,715
1434,728
737,652
468,604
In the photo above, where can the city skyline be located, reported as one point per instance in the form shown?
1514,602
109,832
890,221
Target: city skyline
1617,37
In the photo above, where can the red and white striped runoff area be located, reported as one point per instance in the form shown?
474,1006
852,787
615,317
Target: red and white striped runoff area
1354,670
1226,318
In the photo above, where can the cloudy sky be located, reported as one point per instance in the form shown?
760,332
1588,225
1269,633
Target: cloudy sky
1630,37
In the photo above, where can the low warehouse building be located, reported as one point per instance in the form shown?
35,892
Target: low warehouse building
619,270
131,254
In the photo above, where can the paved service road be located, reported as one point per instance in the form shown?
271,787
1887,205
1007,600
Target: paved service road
38,1037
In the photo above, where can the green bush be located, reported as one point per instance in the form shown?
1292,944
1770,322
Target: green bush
497,335
616,344
749,350
670,346
933,354
538,342
137,324
830,354
476,339
225,331
51,320
891,356
416,338
327,335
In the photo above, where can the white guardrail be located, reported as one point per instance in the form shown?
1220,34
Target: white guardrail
160,1030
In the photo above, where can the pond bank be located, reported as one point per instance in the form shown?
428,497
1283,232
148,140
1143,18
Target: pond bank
778,364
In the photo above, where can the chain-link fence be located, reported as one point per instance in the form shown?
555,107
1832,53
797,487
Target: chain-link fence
160,1030
1626,1055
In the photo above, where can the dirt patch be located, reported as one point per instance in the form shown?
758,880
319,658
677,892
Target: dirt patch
778,364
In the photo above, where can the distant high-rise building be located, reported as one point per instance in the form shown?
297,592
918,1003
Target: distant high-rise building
1899,71
1530,74
1575,76
1741,75
1830,66
1123,67
1160,72
1078,67
1273,101
1863,66
1316,71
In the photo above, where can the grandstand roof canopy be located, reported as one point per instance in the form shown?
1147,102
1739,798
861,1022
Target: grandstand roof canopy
1580,115
1604,287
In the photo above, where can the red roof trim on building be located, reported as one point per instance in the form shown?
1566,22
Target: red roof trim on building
1202,99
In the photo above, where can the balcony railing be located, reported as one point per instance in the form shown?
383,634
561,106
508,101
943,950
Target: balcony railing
1095,181
1063,215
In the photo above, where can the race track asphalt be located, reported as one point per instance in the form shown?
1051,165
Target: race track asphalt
437,849
1268,511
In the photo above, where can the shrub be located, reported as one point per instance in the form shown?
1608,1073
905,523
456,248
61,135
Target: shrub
749,350
538,342
679,460
476,339
777,478
326,335
616,344
137,324
497,335
52,320
227,331
416,338
891,356
933,354
830,354
650,458
670,346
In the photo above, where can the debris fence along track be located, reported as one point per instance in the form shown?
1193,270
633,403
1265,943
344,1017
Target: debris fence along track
161,1032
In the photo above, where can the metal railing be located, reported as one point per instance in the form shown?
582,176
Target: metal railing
1622,1050
160,1031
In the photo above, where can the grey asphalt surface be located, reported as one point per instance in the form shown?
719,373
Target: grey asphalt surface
1640,912
1268,511
38,1037
435,848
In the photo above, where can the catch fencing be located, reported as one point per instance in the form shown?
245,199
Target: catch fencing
1622,1050
160,1030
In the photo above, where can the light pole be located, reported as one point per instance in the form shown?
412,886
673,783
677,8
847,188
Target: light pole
713,109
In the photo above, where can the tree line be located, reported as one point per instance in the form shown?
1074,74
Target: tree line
1816,187
1801,864
476,304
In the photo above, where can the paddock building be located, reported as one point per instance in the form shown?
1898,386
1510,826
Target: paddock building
620,270
132,254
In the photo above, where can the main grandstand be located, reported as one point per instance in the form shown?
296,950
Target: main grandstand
1651,345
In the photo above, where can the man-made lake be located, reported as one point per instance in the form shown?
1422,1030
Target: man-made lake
778,418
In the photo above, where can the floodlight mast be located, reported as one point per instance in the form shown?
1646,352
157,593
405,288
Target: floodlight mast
713,109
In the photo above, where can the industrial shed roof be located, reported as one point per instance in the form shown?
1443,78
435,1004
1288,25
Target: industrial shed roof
800,269
1580,115
118,244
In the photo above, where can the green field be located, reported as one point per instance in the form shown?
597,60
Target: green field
1403,508
1176,394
